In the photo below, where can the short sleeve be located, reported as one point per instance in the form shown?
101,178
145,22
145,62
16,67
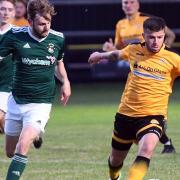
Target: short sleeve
124,53
61,50
6,45
178,65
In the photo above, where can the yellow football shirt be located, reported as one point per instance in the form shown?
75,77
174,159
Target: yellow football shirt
129,30
151,79
20,22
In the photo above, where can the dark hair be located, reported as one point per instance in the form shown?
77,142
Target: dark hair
154,24
42,7
11,1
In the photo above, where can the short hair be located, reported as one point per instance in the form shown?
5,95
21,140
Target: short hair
154,24
22,1
11,1
42,7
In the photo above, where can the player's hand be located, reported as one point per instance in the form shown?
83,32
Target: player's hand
95,58
65,92
108,45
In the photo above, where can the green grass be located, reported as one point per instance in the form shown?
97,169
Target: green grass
77,139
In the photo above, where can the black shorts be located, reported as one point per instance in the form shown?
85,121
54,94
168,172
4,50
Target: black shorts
131,129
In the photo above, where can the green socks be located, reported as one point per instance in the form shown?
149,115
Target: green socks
16,167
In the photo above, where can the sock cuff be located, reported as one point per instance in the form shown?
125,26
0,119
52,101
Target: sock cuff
20,155
20,158
142,158
112,167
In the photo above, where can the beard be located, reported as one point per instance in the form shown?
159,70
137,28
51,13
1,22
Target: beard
40,34
153,50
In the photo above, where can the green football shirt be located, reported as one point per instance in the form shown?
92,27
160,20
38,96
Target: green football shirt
6,68
35,61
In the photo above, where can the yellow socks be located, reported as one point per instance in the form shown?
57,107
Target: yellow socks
139,168
114,172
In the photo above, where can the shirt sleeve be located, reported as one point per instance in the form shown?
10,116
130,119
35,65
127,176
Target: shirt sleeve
124,53
6,45
61,50
177,68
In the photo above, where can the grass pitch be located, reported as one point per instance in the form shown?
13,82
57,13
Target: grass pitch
77,139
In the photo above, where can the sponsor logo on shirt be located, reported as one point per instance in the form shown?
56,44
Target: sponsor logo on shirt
36,61
44,62
149,69
51,58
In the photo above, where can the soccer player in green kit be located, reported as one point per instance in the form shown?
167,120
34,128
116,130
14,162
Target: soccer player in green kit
36,51
7,12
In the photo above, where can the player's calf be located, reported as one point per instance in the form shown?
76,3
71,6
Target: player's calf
2,122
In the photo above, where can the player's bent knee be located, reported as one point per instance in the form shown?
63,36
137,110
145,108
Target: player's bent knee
117,157
21,149
147,150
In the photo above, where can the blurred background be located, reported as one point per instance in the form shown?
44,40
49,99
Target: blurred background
87,24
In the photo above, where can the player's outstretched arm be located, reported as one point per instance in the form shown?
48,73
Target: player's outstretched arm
65,88
96,57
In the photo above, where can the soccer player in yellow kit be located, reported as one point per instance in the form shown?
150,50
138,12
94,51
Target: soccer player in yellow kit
20,16
144,103
129,30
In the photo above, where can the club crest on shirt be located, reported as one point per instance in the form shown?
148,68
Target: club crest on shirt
51,47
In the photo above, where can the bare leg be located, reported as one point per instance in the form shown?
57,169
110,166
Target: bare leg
2,120
116,160
147,145
26,138
146,148
11,142
19,160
